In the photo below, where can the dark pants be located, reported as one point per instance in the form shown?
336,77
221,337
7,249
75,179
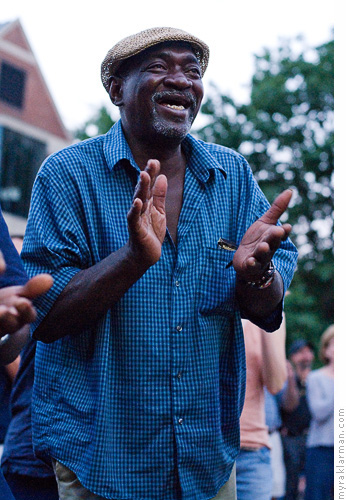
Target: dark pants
319,469
5,493
32,488
294,457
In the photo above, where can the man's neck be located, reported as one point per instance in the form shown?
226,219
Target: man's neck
168,152
171,161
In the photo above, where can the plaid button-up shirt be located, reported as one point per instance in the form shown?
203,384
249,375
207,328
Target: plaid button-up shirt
152,392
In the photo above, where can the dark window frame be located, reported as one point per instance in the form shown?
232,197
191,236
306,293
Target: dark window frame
12,84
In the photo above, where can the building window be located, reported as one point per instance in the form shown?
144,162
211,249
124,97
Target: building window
20,159
12,85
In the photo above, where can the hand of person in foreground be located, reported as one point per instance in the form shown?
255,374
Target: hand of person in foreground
147,217
261,240
2,263
16,307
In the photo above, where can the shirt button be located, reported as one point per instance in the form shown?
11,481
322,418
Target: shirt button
179,328
180,421
179,375
177,284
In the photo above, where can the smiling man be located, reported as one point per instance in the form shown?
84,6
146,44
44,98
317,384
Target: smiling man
141,370
170,111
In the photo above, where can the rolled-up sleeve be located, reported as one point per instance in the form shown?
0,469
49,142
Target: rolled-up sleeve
54,242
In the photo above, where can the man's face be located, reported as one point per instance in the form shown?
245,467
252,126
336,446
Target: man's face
161,93
303,358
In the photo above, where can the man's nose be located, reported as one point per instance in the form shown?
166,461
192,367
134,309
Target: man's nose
177,79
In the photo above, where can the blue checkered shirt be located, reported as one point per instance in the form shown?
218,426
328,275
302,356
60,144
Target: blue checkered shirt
145,404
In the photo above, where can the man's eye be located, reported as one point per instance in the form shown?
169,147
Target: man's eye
156,66
194,71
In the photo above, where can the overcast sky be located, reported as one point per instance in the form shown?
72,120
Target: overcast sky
71,37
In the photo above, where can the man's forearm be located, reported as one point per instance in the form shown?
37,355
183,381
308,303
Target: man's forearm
259,303
89,294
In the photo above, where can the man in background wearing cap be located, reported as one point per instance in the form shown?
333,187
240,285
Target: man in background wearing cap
295,415
139,383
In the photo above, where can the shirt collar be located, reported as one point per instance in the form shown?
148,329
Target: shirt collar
200,161
116,148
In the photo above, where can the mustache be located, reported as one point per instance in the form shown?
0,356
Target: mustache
167,94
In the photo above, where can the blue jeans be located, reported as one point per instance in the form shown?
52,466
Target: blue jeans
319,472
254,475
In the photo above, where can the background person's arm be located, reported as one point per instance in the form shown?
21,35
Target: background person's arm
290,396
274,370
16,312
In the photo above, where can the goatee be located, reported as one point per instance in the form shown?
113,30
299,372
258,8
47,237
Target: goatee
169,129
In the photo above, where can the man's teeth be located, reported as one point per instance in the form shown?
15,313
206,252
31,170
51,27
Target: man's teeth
174,106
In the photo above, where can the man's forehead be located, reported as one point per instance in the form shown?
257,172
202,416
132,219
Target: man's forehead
164,49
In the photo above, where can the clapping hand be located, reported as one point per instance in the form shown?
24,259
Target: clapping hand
147,217
261,240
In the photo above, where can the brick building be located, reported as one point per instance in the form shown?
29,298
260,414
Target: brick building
30,125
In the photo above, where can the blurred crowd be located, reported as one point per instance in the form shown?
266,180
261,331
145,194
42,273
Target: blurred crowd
302,416
287,424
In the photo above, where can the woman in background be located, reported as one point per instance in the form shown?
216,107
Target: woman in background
320,442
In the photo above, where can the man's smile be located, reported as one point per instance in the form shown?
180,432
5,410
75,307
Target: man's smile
177,101
173,106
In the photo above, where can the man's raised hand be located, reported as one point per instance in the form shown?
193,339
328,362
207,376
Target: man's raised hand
261,240
147,216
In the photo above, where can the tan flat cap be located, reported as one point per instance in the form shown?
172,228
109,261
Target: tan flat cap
134,44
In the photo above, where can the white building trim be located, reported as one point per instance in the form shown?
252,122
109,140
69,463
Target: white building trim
53,142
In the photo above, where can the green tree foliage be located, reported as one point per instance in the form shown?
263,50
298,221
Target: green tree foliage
99,124
286,134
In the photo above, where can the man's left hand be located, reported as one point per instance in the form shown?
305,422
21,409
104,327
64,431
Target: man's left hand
261,241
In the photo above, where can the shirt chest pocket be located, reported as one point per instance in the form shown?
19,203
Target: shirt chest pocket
216,287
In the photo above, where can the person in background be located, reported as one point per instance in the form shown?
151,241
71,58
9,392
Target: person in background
7,376
16,309
295,416
274,423
28,477
265,367
319,467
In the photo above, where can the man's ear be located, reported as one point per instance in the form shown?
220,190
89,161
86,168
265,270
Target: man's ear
116,90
